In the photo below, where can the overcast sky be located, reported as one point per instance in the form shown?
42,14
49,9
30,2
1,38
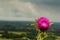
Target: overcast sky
29,10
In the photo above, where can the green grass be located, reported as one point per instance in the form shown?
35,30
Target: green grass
58,38
24,36
18,33
5,39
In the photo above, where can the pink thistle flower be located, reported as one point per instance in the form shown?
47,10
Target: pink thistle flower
43,23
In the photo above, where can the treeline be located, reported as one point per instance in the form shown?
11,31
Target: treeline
21,27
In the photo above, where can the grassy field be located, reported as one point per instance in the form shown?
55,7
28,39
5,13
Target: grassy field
15,35
58,38
20,36
25,32
5,39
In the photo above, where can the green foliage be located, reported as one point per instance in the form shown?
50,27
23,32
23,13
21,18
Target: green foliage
51,36
44,36
41,36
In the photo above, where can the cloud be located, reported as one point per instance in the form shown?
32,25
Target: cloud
48,2
17,9
28,10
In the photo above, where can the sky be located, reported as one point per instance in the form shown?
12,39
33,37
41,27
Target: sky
29,10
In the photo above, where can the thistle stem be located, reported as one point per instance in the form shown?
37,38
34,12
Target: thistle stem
41,35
